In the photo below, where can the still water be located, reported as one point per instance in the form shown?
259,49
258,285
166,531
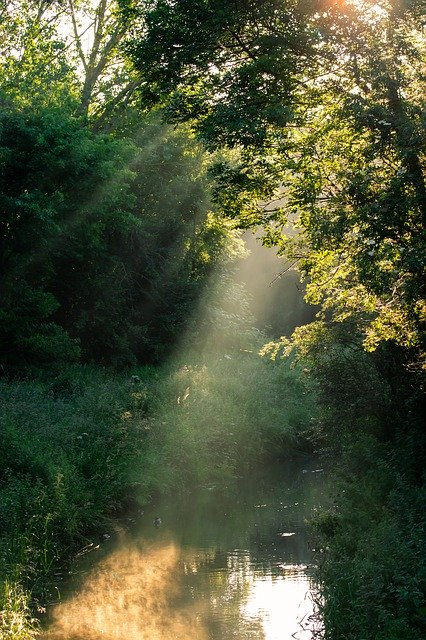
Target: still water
226,563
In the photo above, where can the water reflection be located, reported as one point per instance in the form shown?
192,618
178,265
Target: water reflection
221,567
128,595
284,607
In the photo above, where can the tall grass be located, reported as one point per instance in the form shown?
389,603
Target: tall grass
212,420
16,619
67,446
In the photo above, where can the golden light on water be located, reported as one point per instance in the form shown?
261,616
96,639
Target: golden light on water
283,606
128,596
137,594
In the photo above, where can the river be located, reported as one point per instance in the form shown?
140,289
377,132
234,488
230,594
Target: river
226,563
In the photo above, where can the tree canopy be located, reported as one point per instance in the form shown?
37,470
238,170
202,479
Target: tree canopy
322,103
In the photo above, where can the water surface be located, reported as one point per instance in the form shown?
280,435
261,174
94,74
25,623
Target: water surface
226,563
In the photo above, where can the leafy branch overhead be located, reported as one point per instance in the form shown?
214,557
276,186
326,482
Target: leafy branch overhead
322,103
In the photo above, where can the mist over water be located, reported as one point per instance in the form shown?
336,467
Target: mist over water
127,595
220,567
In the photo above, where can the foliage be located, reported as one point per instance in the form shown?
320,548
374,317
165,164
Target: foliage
94,30
103,242
354,391
106,239
67,54
16,620
372,569
34,66
109,244
221,410
324,102
67,447
371,547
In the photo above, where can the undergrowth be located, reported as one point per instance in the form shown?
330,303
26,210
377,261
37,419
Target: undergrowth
80,445
67,445
372,570
211,421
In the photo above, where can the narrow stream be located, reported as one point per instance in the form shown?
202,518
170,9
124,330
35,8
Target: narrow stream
226,563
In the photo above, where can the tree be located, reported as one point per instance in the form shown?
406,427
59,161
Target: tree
322,103
106,238
35,68
68,53
105,244
95,31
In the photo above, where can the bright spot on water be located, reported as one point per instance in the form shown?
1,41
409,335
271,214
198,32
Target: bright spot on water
282,605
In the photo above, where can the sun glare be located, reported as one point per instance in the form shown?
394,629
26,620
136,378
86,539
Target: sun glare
372,11
283,605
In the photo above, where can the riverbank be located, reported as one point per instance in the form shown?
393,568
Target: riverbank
68,443
82,445
371,545
371,551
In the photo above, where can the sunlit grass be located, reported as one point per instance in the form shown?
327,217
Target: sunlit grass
214,420
16,619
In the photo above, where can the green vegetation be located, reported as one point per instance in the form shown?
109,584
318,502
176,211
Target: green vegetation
322,105
135,138
93,252
85,445
16,618
67,447
372,576
372,566
214,421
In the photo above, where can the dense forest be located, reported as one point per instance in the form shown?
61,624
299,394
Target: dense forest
140,141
